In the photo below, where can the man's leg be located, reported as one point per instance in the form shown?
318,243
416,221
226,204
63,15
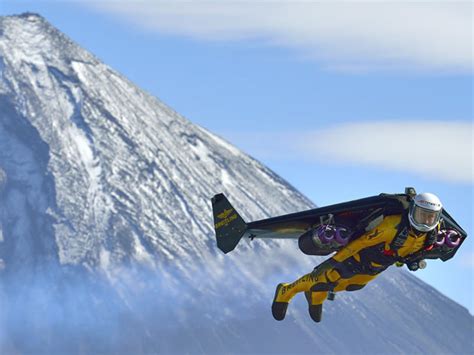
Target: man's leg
318,293
354,283
285,292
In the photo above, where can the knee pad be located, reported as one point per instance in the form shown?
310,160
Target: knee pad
329,286
354,287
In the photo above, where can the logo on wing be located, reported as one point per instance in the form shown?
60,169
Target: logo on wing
225,214
225,218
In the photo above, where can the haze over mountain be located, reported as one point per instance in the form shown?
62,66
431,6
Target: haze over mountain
106,231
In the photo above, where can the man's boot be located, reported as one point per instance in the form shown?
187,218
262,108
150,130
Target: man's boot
315,310
279,308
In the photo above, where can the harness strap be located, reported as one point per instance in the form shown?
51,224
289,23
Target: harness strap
402,234
400,238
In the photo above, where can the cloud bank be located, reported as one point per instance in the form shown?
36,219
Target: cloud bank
436,150
433,149
344,35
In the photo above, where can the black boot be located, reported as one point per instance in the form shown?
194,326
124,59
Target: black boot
315,311
279,308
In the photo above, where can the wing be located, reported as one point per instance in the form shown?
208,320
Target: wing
351,216
446,251
347,214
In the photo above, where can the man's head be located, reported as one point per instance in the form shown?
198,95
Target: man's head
425,212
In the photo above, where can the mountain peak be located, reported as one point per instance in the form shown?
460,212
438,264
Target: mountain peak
31,16
25,18
122,162
30,38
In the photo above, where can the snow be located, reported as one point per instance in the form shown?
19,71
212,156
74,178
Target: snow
86,155
222,142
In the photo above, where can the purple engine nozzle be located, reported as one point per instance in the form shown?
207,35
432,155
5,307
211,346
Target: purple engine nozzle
452,238
440,237
325,233
449,237
340,238
328,233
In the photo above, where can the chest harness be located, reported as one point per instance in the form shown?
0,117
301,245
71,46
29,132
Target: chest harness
383,258
401,236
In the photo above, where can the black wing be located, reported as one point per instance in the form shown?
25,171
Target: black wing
230,227
347,214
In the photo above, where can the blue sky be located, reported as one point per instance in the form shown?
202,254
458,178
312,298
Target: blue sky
340,106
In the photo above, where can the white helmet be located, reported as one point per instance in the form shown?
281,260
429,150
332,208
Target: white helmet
425,212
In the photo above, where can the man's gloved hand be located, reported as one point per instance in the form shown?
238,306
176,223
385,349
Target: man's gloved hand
415,265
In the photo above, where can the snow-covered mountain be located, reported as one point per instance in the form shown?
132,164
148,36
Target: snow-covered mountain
106,236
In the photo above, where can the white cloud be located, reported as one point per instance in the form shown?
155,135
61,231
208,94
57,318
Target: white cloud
433,149
347,35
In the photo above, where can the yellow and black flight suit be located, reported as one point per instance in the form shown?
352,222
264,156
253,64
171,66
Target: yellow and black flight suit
352,267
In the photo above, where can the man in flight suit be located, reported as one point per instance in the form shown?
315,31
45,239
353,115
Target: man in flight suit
396,239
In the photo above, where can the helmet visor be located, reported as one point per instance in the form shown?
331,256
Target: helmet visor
425,217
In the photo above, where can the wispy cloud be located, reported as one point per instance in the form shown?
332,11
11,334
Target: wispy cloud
346,35
434,149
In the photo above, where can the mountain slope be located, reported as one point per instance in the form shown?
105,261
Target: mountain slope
107,234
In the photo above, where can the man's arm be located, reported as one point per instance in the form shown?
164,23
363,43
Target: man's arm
384,232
